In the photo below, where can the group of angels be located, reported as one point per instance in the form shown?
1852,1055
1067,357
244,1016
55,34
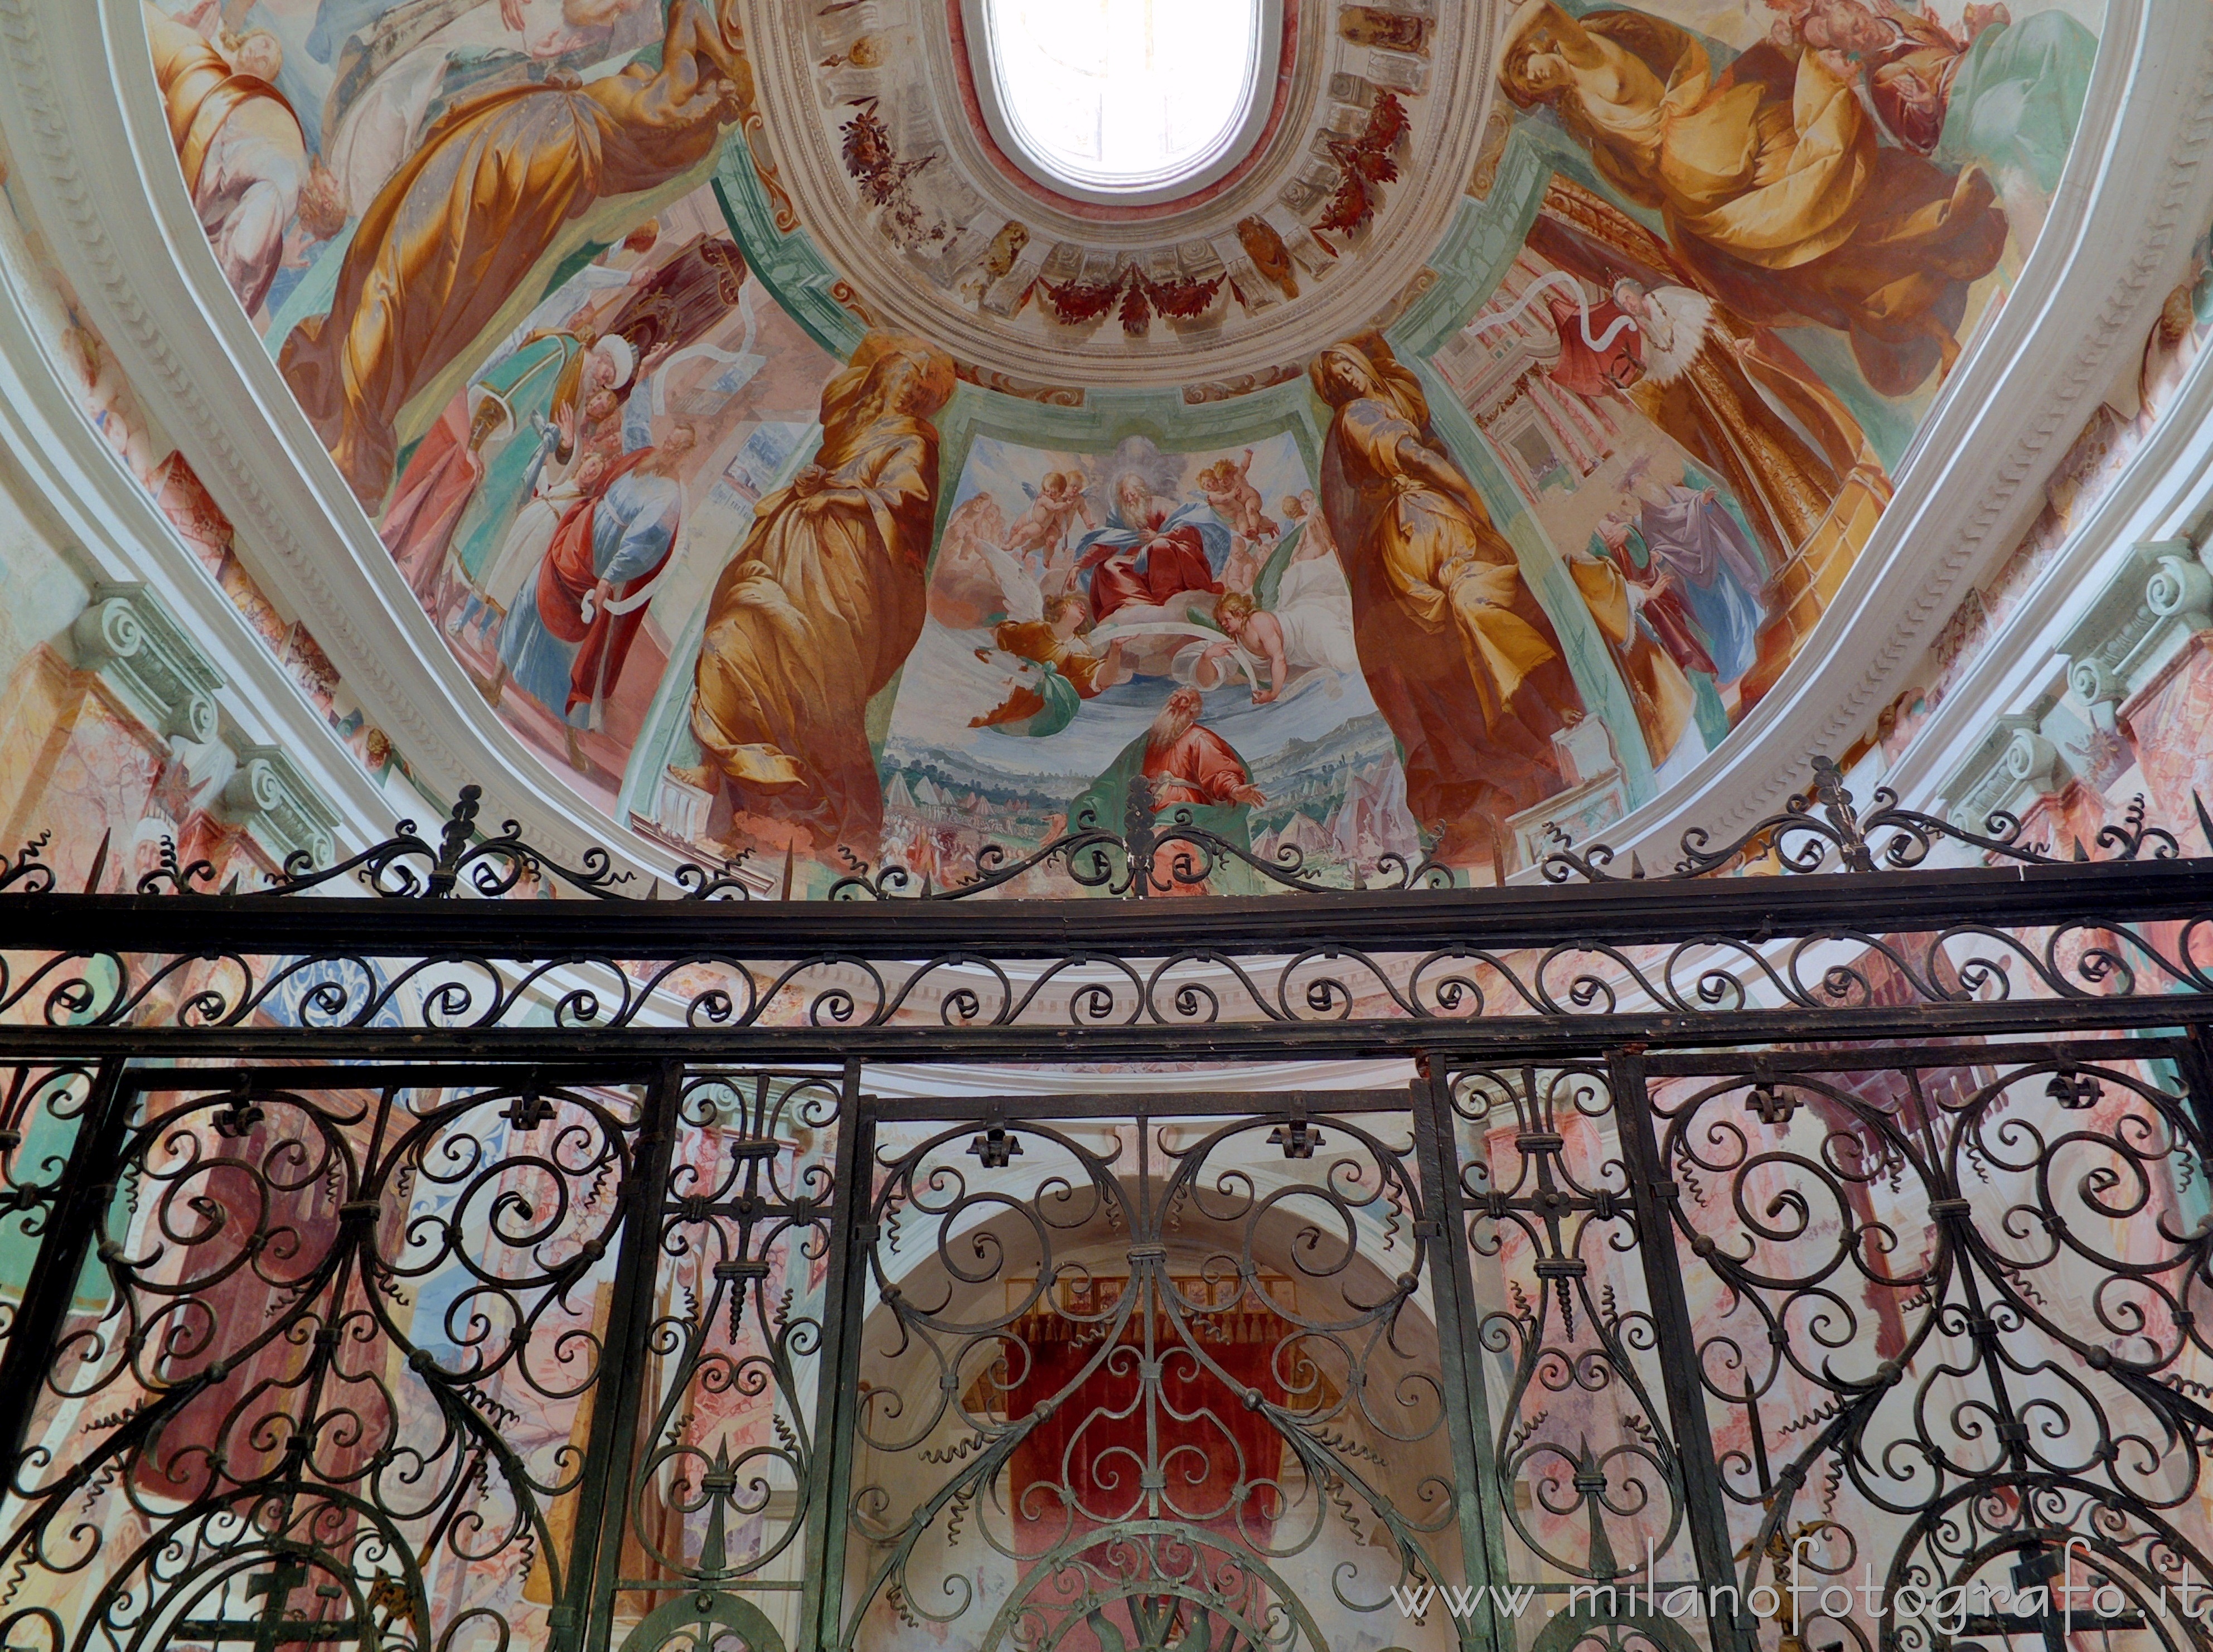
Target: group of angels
1207,591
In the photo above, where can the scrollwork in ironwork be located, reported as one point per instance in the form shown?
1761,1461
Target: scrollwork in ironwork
42,1107
1820,828
1155,851
339,1363
1147,1374
1579,1420
349,986
1953,1328
1160,849
408,866
725,1481
27,874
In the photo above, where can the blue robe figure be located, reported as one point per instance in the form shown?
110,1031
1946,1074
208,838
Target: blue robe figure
1695,536
633,527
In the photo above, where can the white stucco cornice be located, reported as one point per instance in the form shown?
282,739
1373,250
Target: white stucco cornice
113,532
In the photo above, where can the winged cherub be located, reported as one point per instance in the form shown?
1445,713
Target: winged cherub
1054,634
1045,528
1227,486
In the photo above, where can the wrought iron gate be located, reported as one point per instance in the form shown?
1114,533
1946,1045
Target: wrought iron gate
1763,1262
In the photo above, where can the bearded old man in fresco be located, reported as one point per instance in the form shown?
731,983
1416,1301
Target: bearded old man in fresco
2005,94
445,243
1461,660
1189,764
523,408
822,603
1151,550
1195,773
1733,396
1771,180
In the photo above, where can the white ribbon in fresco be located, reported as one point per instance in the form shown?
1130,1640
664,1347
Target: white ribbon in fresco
1561,281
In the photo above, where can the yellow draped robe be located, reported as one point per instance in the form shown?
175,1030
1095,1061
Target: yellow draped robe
1447,565
1460,658
1771,182
1664,700
200,94
448,238
819,606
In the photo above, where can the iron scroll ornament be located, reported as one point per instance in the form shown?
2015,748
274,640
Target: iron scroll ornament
1165,1371
1820,830
1156,852
183,961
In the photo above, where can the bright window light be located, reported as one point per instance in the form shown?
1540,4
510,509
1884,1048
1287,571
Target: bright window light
1124,94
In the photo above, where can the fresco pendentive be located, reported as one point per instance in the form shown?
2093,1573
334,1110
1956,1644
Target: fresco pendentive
577,493
1751,256
1097,617
755,574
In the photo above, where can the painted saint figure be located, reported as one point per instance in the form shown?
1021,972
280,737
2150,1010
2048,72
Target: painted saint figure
1712,563
244,155
459,225
1460,659
514,572
1647,632
468,477
541,396
819,606
2005,95
1770,180
1151,550
566,648
1746,408
1188,763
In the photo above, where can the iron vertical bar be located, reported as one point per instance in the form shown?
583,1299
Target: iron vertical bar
1460,1347
603,1497
81,1198
842,1301
1653,1190
2197,1074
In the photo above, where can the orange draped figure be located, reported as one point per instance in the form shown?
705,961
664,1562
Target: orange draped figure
1771,180
817,611
446,240
1462,661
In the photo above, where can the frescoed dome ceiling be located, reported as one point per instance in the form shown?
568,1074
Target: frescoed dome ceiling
1368,127
716,427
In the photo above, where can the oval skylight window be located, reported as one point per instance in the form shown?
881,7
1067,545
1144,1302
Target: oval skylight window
1127,98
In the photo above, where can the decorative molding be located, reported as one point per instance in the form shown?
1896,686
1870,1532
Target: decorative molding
98,517
267,794
2011,765
2156,591
2135,194
2166,492
975,279
202,373
131,639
